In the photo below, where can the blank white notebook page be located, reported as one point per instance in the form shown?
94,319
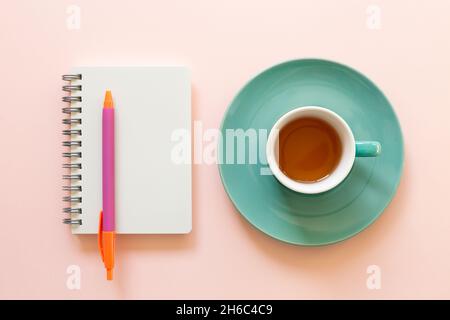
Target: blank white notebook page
153,194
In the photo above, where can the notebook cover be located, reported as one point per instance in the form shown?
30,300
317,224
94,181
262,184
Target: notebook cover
153,193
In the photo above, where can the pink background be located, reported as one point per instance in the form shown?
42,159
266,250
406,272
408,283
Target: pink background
224,43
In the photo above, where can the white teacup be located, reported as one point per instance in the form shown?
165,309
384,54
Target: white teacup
350,150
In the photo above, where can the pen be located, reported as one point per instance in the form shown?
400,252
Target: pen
106,233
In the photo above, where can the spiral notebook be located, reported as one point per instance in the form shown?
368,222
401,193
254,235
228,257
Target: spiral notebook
153,193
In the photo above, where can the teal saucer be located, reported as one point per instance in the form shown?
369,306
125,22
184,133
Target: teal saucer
343,211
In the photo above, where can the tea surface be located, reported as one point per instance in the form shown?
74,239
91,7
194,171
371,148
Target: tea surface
309,149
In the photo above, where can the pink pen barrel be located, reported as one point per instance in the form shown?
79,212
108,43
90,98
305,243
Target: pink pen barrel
108,178
106,233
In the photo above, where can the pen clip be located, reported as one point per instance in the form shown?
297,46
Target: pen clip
100,236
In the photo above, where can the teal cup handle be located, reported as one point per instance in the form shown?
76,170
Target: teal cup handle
368,148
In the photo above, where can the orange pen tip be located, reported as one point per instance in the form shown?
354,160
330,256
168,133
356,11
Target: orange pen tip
109,274
108,103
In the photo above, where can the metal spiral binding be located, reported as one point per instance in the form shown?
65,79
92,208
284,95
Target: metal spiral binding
72,221
71,88
72,199
71,99
71,121
71,132
72,165
72,143
71,77
72,210
71,188
72,176
71,110
73,153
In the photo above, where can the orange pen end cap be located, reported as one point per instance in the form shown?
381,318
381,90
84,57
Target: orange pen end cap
108,102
